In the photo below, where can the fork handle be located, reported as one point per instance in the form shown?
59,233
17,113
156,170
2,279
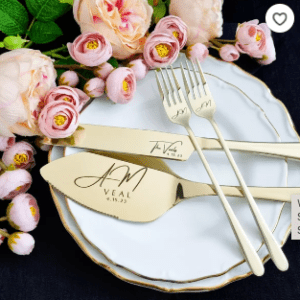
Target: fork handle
250,254
275,251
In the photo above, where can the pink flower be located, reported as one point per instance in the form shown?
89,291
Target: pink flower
13,183
161,49
21,243
68,94
121,85
69,78
198,51
90,49
174,25
202,17
6,142
270,54
139,68
229,53
103,70
2,237
123,22
20,155
40,145
252,38
23,213
95,87
59,119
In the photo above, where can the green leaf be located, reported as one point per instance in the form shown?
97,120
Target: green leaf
113,62
67,1
46,10
159,11
168,2
13,17
68,61
42,33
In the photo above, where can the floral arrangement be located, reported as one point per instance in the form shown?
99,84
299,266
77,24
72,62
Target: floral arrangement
118,42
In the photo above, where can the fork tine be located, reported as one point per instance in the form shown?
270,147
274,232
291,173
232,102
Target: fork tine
161,91
187,88
175,79
205,85
191,77
176,94
172,86
166,88
195,73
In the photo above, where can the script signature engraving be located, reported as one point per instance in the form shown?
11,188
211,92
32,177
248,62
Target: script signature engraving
205,104
166,147
121,178
180,112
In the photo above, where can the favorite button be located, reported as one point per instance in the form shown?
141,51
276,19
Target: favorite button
280,18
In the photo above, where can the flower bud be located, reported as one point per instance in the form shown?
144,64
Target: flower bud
2,237
139,68
94,87
13,42
21,243
69,78
103,70
197,51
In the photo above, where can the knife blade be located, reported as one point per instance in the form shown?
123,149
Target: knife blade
164,145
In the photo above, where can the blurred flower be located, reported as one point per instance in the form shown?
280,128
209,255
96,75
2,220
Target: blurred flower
121,85
26,75
20,155
59,119
161,49
174,25
198,51
139,68
40,145
23,213
90,49
69,78
123,23
21,243
229,53
94,87
2,237
103,70
68,94
6,142
202,17
13,183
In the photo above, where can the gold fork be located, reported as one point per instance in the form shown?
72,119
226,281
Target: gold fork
179,113
204,106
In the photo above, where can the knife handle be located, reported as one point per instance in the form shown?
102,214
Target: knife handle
284,150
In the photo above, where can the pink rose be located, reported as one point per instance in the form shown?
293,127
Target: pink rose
139,68
90,49
6,142
59,119
13,183
66,93
229,53
123,23
21,243
121,85
69,78
198,51
161,49
26,75
202,17
174,25
95,87
23,213
103,70
20,155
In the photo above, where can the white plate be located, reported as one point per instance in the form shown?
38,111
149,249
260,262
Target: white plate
194,240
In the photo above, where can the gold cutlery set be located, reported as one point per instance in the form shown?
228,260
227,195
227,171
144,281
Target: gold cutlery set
131,183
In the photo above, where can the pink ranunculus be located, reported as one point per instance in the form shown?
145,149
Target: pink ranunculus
252,38
103,70
90,49
66,93
161,49
202,17
6,142
174,25
69,78
123,22
20,155
139,68
121,85
59,119
198,51
21,243
94,87
23,213
13,183
270,54
2,237
26,75
229,53
40,145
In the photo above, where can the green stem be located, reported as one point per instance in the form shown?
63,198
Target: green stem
214,47
58,56
51,52
3,166
28,44
216,43
4,233
73,67
86,79
29,28
3,219
226,41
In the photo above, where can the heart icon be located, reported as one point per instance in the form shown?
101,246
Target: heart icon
279,18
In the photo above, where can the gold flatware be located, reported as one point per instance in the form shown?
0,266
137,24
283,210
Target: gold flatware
179,113
203,105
